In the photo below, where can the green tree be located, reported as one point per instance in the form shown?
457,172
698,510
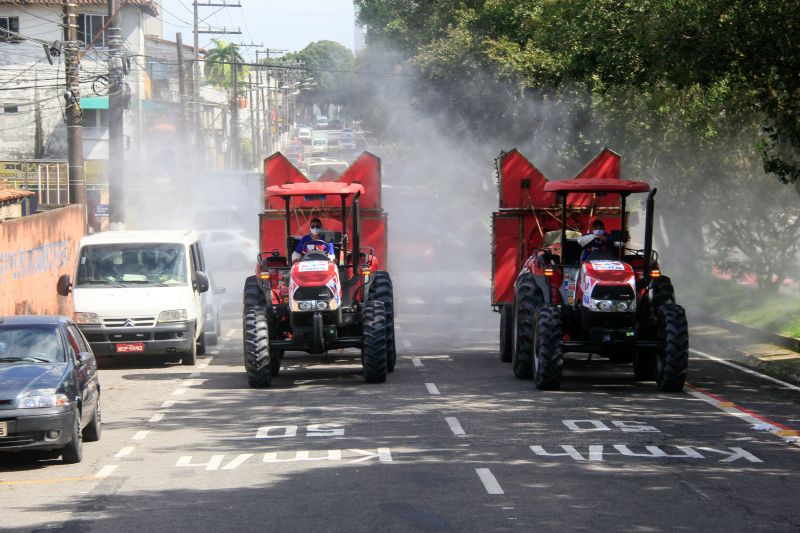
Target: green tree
219,66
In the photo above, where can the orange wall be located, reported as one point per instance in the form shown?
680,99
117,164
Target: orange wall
34,251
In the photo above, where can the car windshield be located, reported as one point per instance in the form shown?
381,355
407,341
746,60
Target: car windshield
132,264
30,343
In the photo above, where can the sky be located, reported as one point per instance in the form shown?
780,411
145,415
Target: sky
277,24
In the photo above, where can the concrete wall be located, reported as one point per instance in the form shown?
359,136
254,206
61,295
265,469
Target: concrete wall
34,251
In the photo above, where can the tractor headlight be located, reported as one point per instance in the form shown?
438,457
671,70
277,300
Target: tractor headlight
622,306
322,305
607,306
305,305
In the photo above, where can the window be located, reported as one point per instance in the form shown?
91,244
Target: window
91,26
10,108
9,24
95,118
77,338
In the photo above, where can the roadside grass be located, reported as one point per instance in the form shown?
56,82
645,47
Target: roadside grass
749,306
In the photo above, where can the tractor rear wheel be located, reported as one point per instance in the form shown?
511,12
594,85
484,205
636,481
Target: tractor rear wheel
506,333
382,291
672,362
257,360
548,348
373,347
528,299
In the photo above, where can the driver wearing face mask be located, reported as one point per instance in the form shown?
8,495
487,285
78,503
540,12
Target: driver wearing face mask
313,241
596,240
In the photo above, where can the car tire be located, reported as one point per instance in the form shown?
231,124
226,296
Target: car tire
383,291
201,344
548,348
73,452
672,362
91,433
190,358
373,347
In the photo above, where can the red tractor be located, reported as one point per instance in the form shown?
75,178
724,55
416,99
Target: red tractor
555,296
322,301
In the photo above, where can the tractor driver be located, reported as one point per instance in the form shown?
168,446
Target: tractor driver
312,242
595,240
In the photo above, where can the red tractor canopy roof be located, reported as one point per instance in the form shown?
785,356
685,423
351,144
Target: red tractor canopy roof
315,188
596,185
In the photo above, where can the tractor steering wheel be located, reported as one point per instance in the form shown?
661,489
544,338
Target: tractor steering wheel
315,255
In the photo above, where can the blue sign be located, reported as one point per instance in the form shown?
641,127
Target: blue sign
101,210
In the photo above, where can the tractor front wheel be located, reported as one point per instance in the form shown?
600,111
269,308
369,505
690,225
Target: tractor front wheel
548,348
373,347
257,360
672,362
528,299
506,333
382,291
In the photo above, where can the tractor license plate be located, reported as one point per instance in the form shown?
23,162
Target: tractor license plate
130,347
3,429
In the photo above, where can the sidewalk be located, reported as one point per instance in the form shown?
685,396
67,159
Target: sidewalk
751,348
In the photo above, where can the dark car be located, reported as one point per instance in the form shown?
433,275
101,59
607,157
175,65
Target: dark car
49,391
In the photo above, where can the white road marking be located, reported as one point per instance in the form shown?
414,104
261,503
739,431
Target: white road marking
140,435
743,369
415,301
455,427
205,363
105,471
230,333
431,388
406,343
417,361
489,481
179,391
156,417
167,404
125,452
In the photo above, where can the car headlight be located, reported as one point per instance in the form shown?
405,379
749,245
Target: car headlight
173,315
306,305
86,318
42,398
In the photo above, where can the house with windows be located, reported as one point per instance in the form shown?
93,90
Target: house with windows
32,82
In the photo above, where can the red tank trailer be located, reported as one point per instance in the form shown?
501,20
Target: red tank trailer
559,289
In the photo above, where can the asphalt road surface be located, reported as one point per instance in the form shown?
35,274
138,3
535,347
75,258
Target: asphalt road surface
451,442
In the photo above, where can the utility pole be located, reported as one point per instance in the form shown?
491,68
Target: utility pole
235,159
72,95
253,154
182,88
258,134
116,103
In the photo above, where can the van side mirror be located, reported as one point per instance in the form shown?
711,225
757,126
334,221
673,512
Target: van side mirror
200,281
64,286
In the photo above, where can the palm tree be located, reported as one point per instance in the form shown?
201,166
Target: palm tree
218,65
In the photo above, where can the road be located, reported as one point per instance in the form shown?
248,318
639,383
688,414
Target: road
451,442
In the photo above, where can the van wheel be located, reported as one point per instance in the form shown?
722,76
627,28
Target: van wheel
201,344
190,358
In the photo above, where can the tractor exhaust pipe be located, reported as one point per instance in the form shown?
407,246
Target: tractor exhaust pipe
648,235
356,236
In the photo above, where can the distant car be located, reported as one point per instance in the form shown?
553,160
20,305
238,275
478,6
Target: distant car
319,147
318,168
296,159
49,389
347,142
304,134
212,305
229,249
335,124
322,122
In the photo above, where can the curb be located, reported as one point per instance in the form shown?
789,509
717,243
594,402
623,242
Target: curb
772,354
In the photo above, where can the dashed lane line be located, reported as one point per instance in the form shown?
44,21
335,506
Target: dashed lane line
140,435
124,452
455,426
417,361
105,471
158,417
406,343
205,363
489,481
179,391
167,404
745,370
432,389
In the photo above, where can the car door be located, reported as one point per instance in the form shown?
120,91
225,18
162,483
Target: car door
85,372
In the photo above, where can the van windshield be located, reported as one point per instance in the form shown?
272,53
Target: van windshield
132,264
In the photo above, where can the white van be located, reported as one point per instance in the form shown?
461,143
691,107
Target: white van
140,292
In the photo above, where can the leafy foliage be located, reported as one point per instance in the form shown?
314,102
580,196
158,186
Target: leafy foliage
219,68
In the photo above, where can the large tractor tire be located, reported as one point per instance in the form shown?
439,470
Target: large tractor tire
528,299
373,348
257,360
548,348
506,333
662,292
672,363
382,291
